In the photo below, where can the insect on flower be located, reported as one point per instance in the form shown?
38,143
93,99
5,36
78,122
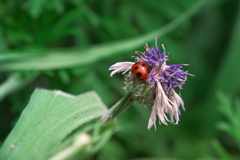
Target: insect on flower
151,81
140,70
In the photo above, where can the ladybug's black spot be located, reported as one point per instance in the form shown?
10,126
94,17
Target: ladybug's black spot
147,71
136,67
143,64
138,74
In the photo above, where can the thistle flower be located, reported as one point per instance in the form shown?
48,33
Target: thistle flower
157,89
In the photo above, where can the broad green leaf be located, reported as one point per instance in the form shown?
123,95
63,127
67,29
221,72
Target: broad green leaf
49,118
74,57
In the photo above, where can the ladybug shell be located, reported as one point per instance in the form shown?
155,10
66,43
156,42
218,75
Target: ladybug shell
140,70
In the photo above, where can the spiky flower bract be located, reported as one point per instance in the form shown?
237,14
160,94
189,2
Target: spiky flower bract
159,87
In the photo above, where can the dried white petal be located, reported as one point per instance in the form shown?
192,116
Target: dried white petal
177,101
160,106
121,67
163,105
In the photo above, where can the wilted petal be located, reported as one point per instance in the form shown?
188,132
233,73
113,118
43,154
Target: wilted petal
177,102
121,67
152,119
161,105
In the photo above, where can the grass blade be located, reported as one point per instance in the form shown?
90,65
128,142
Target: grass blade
14,82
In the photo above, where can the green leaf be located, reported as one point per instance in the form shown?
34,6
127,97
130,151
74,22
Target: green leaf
49,118
226,108
59,27
223,126
220,151
64,76
58,5
14,82
231,113
35,7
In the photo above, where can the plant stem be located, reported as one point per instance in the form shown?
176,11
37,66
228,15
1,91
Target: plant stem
121,106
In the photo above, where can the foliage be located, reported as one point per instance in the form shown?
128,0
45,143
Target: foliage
49,123
69,46
230,125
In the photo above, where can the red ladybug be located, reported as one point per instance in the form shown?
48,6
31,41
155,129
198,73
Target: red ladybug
140,70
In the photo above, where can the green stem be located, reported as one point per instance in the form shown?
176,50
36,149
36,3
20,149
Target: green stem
121,106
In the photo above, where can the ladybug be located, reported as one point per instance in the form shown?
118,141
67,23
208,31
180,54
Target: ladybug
140,70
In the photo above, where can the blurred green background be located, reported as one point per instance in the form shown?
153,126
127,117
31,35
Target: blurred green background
69,46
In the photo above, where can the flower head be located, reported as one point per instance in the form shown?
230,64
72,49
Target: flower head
159,87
